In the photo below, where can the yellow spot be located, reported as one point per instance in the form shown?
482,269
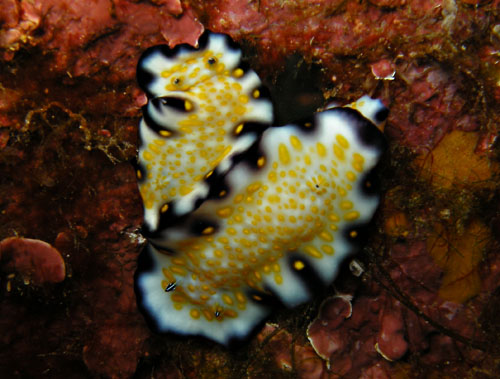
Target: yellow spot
226,151
243,99
159,142
208,315
326,236
220,68
227,299
188,105
178,298
240,297
238,129
168,275
261,161
295,141
278,279
240,110
164,208
178,270
339,153
194,313
154,148
358,158
165,133
342,141
350,175
139,174
237,86
327,249
184,190
321,149
257,297
312,251
346,204
230,313
178,261
253,187
351,216
353,234
298,265
238,73
256,94
148,156
208,230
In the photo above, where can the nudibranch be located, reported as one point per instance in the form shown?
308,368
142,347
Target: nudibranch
272,219
204,108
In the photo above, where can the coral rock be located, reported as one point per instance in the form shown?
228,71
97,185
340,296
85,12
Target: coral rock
37,261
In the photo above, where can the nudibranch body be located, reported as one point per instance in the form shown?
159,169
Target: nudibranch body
204,108
271,223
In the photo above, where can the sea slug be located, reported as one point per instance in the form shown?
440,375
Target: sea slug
241,215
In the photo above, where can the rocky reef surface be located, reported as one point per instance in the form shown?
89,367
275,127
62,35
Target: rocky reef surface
420,300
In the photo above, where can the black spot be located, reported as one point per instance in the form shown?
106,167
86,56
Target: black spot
382,115
212,61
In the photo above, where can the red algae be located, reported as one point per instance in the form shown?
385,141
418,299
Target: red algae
427,300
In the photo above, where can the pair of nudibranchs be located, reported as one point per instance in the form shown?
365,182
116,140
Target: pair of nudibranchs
242,215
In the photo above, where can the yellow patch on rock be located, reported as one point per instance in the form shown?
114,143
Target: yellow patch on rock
454,162
459,256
